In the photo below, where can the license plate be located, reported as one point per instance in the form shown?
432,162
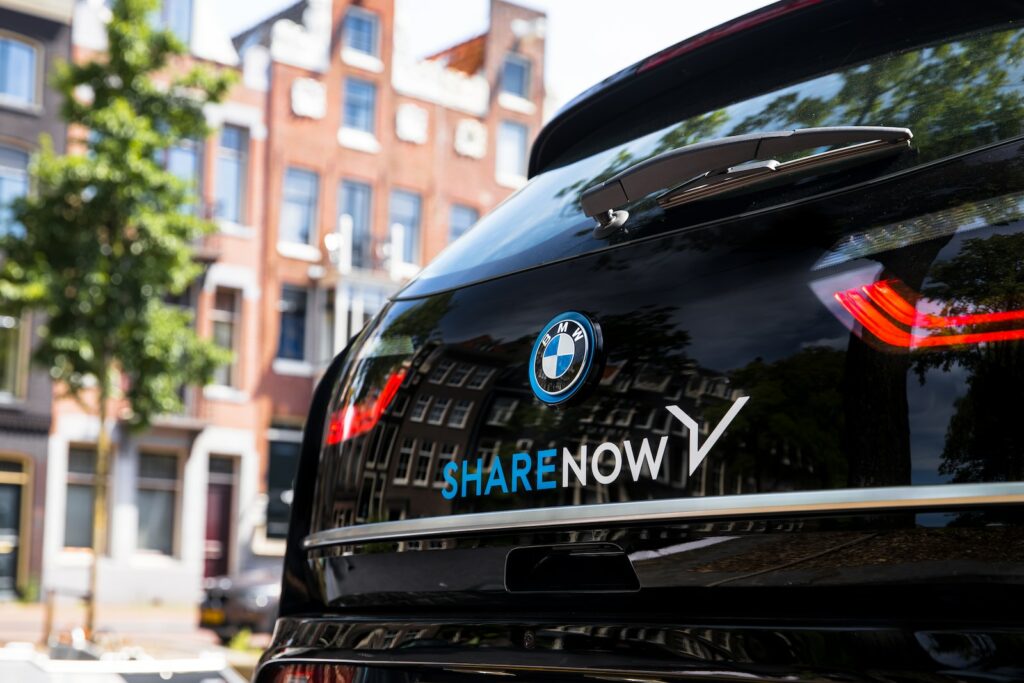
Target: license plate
211,616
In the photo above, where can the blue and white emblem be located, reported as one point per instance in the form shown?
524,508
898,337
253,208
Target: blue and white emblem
562,357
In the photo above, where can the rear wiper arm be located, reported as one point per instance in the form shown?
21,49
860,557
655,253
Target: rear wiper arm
717,165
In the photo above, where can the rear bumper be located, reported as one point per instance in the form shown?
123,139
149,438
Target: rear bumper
411,649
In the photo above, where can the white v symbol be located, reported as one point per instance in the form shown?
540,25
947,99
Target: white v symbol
698,452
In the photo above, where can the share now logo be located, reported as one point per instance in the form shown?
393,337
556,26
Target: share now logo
606,463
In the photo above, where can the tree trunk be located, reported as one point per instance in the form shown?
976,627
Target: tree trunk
99,510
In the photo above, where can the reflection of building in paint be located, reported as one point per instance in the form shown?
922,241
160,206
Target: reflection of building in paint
455,405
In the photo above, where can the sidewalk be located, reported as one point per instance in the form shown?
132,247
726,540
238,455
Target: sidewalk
163,630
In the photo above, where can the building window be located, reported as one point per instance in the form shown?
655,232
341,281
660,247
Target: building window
423,459
185,161
458,376
356,201
232,171
360,105
298,209
446,456
515,76
157,501
404,460
18,71
419,409
284,462
438,411
176,17
225,315
13,184
488,452
80,498
502,411
440,371
460,414
480,378
12,358
291,344
361,32
511,151
461,219
405,209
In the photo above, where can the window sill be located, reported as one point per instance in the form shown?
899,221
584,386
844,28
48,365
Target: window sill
153,558
302,252
235,229
510,180
292,368
75,557
361,60
219,392
507,100
11,400
358,140
21,107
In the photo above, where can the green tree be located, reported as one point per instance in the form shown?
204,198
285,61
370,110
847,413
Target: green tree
106,238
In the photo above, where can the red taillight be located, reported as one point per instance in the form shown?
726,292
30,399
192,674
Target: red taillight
311,673
353,420
888,316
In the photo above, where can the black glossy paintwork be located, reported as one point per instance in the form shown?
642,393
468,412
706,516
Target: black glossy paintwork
553,649
698,319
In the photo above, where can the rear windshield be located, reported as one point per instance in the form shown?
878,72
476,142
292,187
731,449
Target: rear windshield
955,95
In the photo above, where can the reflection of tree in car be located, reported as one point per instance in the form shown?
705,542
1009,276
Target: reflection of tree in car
983,442
954,96
789,436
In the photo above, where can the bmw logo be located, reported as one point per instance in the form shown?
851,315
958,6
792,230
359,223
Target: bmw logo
562,357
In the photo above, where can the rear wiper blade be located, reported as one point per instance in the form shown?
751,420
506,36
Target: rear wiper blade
718,166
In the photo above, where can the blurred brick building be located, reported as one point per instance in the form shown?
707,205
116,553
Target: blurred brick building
341,164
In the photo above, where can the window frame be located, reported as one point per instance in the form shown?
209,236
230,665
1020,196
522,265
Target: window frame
361,13
241,156
403,475
443,455
198,149
162,23
234,319
38,75
461,423
411,247
305,322
175,486
360,191
424,454
312,205
499,156
85,480
20,356
526,64
351,83
455,208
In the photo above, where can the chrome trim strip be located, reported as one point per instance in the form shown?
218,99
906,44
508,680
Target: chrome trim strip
677,509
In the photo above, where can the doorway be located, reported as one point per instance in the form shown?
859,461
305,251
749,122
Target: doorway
220,505
13,480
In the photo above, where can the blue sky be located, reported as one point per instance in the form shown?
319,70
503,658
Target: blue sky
587,40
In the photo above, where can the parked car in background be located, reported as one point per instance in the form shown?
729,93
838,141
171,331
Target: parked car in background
729,390
245,602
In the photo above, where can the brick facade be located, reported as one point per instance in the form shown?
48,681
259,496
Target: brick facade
432,132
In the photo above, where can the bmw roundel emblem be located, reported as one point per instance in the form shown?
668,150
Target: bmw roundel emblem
562,357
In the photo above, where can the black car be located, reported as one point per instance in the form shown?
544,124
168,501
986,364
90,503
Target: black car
729,391
247,602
